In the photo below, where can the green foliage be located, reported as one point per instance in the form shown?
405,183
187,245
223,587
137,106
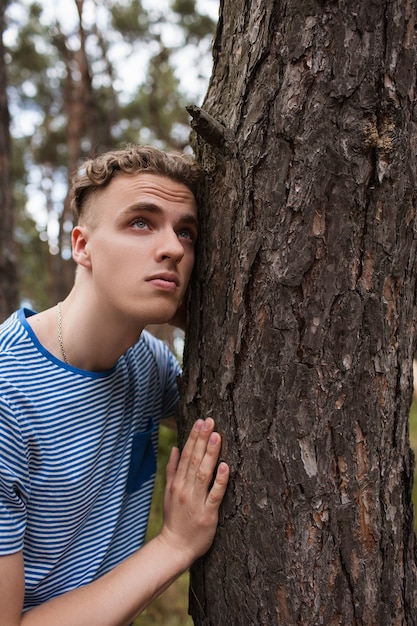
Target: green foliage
170,609
130,20
195,25
160,105
33,252
167,439
34,264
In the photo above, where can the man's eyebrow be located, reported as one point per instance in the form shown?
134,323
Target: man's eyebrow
187,218
149,207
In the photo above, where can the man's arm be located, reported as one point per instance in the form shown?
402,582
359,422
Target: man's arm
12,588
117,598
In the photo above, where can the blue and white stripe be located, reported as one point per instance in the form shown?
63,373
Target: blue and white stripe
65,456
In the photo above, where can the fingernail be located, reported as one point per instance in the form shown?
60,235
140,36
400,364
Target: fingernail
198,425
214,438
223,468
208,423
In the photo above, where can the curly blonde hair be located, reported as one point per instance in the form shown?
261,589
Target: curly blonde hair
97,172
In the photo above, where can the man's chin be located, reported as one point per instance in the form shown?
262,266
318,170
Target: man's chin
163,317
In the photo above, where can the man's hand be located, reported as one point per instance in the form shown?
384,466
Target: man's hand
120,595
190,505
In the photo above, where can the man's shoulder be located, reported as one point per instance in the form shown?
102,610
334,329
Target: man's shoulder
11,333
148,343
149,349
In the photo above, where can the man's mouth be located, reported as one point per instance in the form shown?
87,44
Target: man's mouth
166,281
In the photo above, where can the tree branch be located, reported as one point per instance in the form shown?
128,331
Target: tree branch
206,126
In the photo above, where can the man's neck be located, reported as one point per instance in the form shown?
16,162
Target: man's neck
92,337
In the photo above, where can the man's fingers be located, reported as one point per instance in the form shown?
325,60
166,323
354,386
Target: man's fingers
197,465
206,467
195,490
172,465
195,447
218,489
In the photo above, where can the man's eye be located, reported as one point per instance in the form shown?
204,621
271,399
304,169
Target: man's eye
140,223
186,234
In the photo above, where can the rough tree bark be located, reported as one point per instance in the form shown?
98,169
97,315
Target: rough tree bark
304,312
8,262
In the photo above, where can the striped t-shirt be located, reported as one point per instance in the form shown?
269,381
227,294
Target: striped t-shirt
77,457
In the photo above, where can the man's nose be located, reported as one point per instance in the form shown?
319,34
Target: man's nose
170,247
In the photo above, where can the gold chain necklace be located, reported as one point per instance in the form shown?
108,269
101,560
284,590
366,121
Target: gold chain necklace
61,343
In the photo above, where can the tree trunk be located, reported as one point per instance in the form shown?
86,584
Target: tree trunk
304,313
8,262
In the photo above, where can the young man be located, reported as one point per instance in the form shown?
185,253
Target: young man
83,389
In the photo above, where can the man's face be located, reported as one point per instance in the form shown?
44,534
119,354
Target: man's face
140,234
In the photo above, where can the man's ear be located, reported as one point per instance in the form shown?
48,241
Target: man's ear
80,249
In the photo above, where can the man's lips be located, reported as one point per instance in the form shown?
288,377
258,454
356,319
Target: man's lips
166,281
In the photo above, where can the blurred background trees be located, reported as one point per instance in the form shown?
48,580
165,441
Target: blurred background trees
8,261
84,76
78,77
